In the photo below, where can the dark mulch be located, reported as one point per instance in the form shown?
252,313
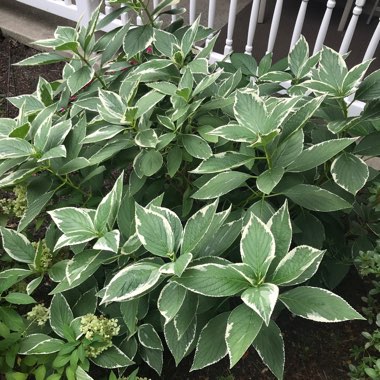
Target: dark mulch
313,351
17,80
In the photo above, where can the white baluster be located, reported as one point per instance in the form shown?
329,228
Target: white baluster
372,46
252,26
108,8
299,23
174,17
155,3
125,18
211,17
231,26
263,5
358,9
139,20
324,26
68,2
85,9
192,11
274,26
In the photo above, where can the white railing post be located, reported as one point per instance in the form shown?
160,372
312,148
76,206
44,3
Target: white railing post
299,23
85,9
211,17
372,46
252,26
358,9
231,26
192,11
324,26
274,26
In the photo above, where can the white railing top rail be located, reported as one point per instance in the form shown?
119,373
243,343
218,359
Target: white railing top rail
81,10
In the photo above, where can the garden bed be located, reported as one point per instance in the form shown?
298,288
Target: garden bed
313,351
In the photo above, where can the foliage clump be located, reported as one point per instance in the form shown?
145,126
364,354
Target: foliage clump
189,201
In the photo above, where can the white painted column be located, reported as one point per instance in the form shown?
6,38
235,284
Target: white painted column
324,26
358,9
211,17
231,26
274,26
85,9
373,44
299,23
192,11
252,26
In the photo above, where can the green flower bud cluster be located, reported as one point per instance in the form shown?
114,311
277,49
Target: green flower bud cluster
39,314
46,257
15,206
99,331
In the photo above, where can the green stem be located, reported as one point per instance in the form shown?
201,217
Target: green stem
144,6
96,75
65,181
269,161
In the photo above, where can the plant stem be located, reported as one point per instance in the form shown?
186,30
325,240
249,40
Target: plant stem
96,75
147,12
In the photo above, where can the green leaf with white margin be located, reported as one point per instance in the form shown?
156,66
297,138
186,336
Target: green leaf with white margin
221,162
108,208
281,228
154,231
180,347
56,152
186,314
19,298
147,102
349,172
211,346
319,305
17,246
148,162
317,154
213,280
146,138
250,111
154,358
316,199
262,299
170,300
79,79
221,184
196,146
269,179
178,266
149,338
103,133
243,325
12,147
295,263
257,246
175,224
41,59
269,344
298,56
132,282
189,37
235,132
109,241
137,40
60,315
35,344
112,357
76,225
81,374
197,226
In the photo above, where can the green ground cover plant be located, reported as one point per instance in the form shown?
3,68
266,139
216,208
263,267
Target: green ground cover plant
165,202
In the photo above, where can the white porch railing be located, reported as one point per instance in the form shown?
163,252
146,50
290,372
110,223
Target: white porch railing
81,10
